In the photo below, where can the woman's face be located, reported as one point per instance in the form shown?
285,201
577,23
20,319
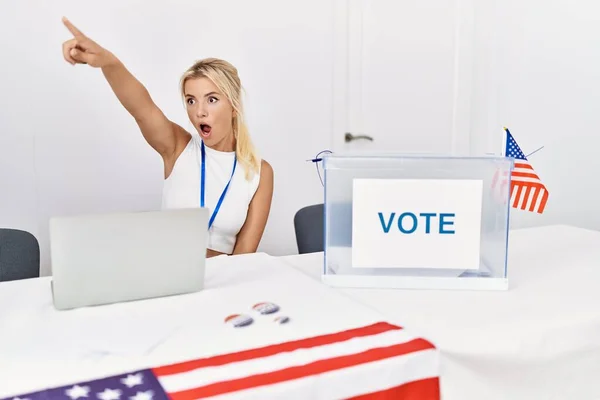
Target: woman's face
210,112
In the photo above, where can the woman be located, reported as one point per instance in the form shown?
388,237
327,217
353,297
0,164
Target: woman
218,168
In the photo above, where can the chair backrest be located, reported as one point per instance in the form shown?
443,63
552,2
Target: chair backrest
19,255
309,226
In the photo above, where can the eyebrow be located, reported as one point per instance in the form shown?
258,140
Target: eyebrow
206,95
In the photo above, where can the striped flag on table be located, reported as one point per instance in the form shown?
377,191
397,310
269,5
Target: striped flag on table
379,361
527,192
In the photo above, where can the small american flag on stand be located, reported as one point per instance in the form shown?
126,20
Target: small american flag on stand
527,192
378,361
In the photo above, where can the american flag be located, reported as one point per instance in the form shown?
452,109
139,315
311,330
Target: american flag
369,362
527,192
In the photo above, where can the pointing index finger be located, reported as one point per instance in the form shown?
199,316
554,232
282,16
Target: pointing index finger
76,32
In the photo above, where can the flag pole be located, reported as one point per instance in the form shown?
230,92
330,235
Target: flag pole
504,139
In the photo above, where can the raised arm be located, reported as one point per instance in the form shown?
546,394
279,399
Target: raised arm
251,233
166,137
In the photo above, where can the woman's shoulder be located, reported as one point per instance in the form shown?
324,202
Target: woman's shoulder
262,187
265,175
265,170
262,169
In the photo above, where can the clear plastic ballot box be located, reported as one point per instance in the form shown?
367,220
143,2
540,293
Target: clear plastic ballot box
421,222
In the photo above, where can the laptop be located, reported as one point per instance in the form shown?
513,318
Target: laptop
111,258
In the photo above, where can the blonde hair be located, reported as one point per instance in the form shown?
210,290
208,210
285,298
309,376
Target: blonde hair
225,77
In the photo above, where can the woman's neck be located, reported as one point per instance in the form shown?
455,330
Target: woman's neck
226,145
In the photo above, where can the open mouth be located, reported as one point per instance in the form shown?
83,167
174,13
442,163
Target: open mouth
205,129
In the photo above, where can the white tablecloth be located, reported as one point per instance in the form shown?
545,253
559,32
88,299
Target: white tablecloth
538,340
41,348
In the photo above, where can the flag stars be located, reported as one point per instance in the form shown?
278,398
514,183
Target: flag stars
132,380
77,392
513,150
110,394
147,395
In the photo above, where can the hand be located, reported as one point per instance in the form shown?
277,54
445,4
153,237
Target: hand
83,50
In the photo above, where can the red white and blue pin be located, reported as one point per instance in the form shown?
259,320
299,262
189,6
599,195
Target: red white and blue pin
281,320
266,308
239,320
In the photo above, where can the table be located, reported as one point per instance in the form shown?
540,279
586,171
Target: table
538,340
333,347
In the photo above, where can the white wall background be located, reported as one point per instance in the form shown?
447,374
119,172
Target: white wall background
68,147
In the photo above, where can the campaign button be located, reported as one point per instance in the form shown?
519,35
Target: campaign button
239,320
282,320
266,308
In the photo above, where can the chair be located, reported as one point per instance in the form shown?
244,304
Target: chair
19,255
309,227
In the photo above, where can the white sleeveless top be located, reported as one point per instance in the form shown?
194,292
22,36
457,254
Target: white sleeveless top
182,190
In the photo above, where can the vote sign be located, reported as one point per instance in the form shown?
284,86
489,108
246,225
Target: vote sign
416,223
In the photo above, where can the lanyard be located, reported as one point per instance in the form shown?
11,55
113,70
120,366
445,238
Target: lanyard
203,179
